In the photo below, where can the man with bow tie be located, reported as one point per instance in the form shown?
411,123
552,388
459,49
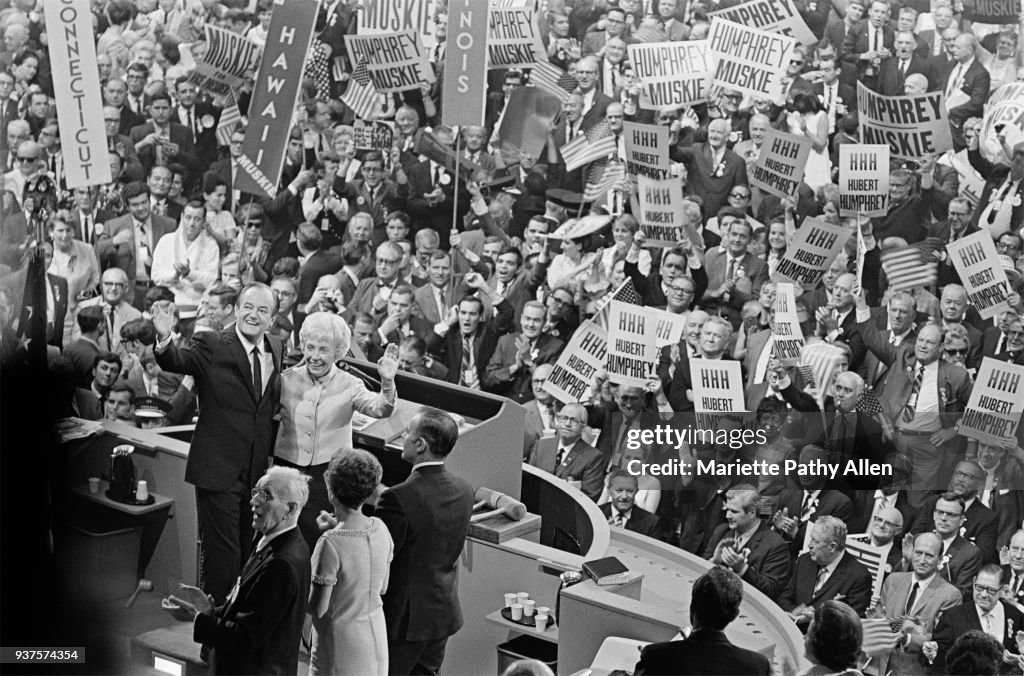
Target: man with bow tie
258,628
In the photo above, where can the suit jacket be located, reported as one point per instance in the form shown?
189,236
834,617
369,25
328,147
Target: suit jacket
88,405
120,315
517,387
849,579
59,289
235,432
319,264
704,652
596,111
995,176
417,325
768,564
123,255
534,426
13,232
639,521
258,630
682,381
582,463
714,190
953,381
930,602
830,503
956,622
856,43
455,291
362,298
976,84
891,80
223,169
448,350
875,370
1017,598
964,562
205,141
716,262
82,354
129,120
99,217
178,134
390,197
438,217
981,527
427,516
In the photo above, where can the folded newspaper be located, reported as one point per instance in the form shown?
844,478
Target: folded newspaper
77,428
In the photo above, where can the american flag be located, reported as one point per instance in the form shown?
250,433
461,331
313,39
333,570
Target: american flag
553,80
230,116
823,360
872,556
625,293
361,94
879,638
602,179
912,266
870,406
590,146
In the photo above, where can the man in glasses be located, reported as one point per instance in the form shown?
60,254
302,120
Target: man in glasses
956,226
947,515
228,168
1014,345
984,610
982,525
258,627
117,311
567,456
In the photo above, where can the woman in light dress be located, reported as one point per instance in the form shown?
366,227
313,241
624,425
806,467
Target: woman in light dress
351,563
808,119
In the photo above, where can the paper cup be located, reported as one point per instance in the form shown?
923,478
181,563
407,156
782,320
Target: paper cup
521,597
517,611
509,600
543,610
528,606
541,620
94,484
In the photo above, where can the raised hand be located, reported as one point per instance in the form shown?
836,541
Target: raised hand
387,366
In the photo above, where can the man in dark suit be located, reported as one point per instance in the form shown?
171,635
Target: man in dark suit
370,296
257,629
748,546
315,262
955,227
894,72
376,195
1001,205
734,275
86,216
798,509
868,43
982,524
1013,571
162,141
428,518
677,262
594,102
509,370
712,169
567,456
200,118
714,603
516,282
715,337
622,510
449,338
825,572
90,401
969,81
115,92
432,192
399,322
985,611
82,352
897,322
237,379
443,290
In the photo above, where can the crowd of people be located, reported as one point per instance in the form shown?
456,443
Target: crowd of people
171,293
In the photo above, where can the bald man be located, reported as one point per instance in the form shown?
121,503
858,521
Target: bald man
921,594
915,84
712,168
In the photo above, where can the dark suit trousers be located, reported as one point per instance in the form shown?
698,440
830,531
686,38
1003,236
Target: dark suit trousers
225,536
319,499
416,657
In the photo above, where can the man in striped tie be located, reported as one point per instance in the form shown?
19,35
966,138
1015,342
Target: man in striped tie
924,396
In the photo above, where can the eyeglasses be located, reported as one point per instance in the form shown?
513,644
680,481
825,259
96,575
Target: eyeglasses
947,515
733,97
956,350
741,195
262,495
111,119
981,589
796,62
538,381
283,293
882,522
27,159
960,474
566,419
685,290
114,284
389,261
561,301
1003,246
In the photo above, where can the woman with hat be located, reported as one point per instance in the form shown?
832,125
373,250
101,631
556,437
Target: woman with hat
572,267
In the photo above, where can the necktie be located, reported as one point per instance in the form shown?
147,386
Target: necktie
191,124
86,229
908,409
257,372
806,508
559,456
999,343
469,375
986,623
911,598
110,332
822,574
437,176
954,80
732,269
1014,583
618,520
892,337
839,432
828,98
